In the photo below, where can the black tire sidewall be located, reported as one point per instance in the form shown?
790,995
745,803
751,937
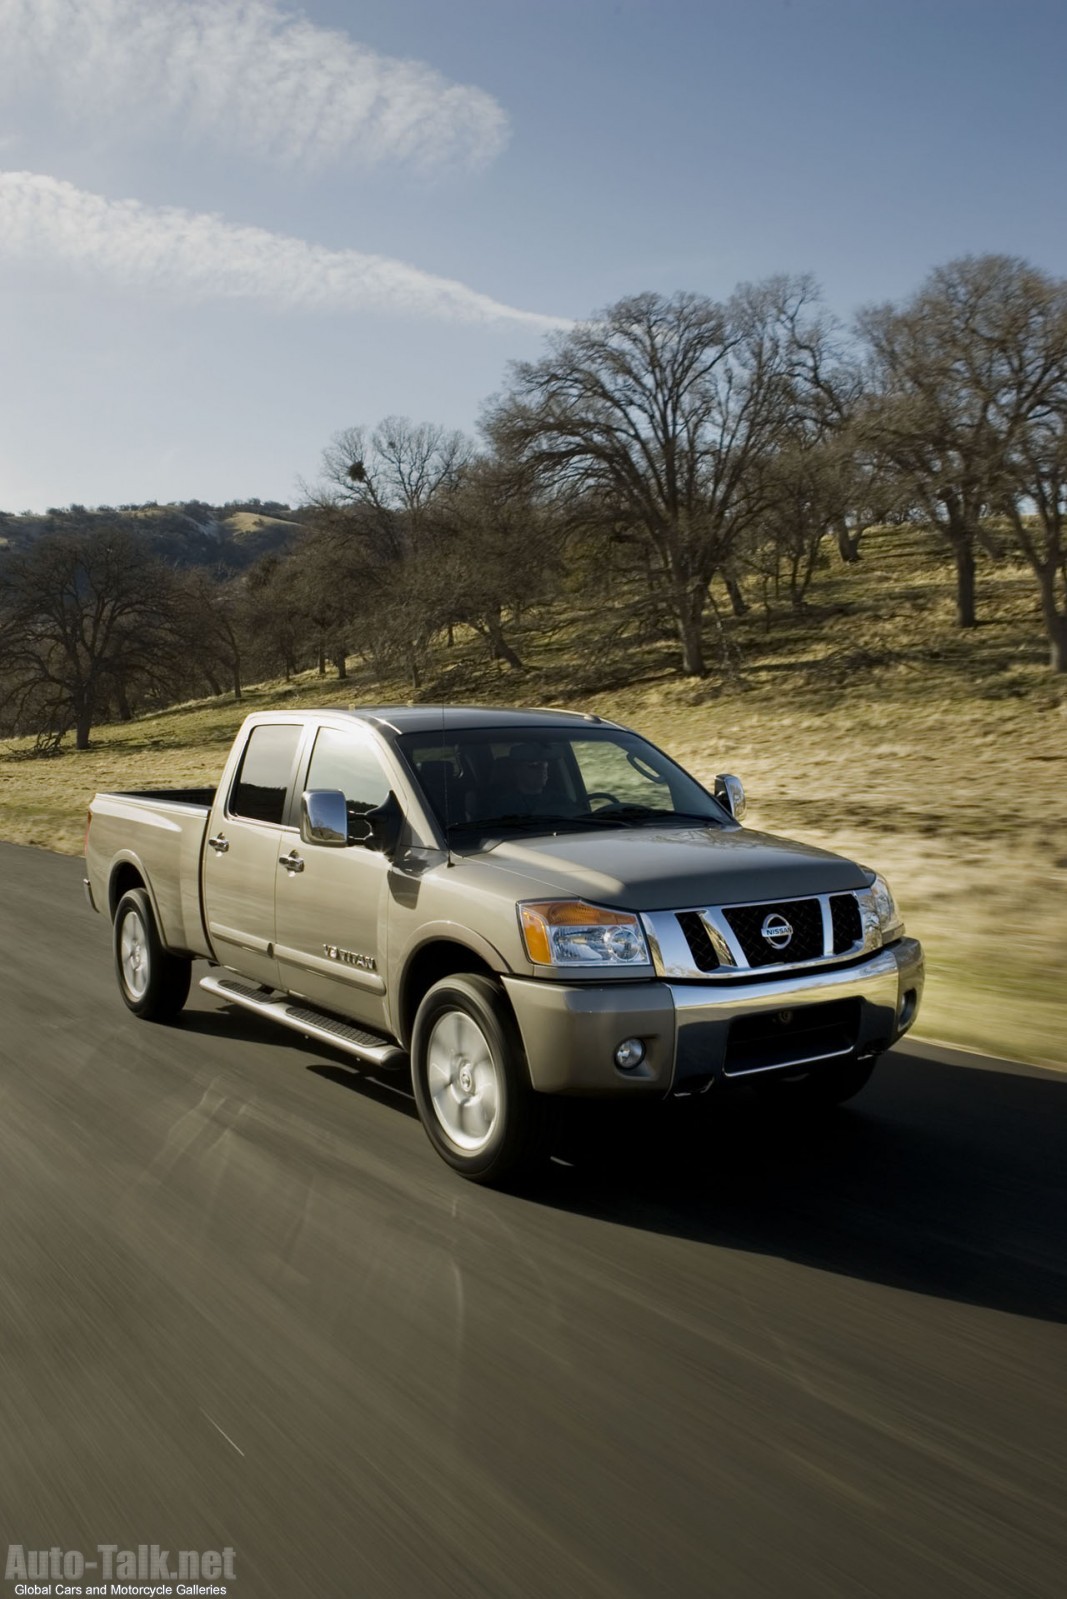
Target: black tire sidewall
168,975
512,1143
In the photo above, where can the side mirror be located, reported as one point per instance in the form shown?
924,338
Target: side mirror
730,793
324,817
385,823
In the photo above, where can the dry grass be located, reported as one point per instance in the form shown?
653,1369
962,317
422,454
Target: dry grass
869,725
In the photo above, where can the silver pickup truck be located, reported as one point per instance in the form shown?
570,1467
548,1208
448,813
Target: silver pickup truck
512,905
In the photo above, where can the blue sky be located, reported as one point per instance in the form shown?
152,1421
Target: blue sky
231,228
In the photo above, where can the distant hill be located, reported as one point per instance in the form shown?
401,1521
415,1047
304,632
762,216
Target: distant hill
193,533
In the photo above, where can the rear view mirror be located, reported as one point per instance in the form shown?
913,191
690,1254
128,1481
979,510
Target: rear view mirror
730,793
324,817
385,824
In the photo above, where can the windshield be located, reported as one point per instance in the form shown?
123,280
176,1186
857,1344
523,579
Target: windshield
545,780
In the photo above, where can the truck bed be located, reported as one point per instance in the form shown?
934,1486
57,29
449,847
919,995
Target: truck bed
159,835
176,796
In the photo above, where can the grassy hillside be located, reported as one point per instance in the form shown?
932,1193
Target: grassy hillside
190,534
869,724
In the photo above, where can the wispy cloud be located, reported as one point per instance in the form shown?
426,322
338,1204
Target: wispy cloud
192,255
248,74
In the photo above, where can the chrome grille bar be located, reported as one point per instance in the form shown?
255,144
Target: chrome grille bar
673,954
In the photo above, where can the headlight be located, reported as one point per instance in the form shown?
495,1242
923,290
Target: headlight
885,908
568,932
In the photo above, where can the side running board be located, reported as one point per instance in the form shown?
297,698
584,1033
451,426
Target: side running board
370,1048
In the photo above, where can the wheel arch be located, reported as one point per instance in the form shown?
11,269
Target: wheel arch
126,873
443,956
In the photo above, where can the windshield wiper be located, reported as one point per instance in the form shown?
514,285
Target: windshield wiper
646,813
486,824
609,816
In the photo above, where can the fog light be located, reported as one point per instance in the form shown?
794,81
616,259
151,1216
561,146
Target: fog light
630,1053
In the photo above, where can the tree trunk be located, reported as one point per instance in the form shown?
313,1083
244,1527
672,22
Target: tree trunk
212,681
340,660
501,649
1055,621
966,614
237,694
122,703
848,544
83,721
738,603
689,611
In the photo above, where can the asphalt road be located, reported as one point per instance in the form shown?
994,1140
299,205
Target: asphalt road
243,1305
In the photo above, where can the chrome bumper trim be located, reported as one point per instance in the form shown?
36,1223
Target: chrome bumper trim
705,1012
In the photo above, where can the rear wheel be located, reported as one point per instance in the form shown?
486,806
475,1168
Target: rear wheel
471,1083
153,983
819,1089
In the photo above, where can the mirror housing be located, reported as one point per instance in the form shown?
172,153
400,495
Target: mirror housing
730,793
324,817
385,823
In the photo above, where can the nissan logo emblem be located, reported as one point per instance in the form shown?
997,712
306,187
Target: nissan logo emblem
776,930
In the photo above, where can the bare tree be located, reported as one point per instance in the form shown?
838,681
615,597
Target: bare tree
500,552
394,474
212,618
83,618
933,411
1040,468
663,409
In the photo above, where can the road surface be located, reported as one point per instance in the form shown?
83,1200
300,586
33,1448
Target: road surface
243,1305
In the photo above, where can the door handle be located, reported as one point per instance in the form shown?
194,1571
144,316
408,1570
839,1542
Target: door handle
220,844
292,862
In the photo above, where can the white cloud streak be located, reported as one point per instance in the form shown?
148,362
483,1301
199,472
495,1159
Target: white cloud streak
247,75
189,255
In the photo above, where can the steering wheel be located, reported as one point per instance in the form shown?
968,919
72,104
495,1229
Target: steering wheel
602,794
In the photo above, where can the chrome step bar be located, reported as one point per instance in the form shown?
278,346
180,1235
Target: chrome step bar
370,1048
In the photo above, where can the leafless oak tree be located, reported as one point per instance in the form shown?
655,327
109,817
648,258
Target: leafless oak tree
662,410
956,377
83,618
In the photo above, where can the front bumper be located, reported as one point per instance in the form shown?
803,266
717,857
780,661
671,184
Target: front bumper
696,1034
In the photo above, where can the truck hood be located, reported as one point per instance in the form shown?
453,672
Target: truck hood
649,868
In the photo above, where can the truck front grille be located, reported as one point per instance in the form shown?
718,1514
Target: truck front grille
722,941
805,942
847,923
698,939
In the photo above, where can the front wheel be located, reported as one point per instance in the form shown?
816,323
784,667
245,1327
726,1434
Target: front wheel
153,983
471,1085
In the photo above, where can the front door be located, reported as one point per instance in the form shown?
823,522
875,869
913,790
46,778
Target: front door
331,909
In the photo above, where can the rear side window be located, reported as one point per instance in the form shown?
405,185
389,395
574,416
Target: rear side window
263,779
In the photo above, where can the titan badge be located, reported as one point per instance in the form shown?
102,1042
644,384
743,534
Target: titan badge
350,957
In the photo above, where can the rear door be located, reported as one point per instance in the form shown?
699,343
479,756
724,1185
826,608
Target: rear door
245,844
332,910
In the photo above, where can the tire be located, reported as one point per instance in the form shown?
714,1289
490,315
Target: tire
472,1085
153,983
820,1089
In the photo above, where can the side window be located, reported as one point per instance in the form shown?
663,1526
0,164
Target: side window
263,779
344,761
